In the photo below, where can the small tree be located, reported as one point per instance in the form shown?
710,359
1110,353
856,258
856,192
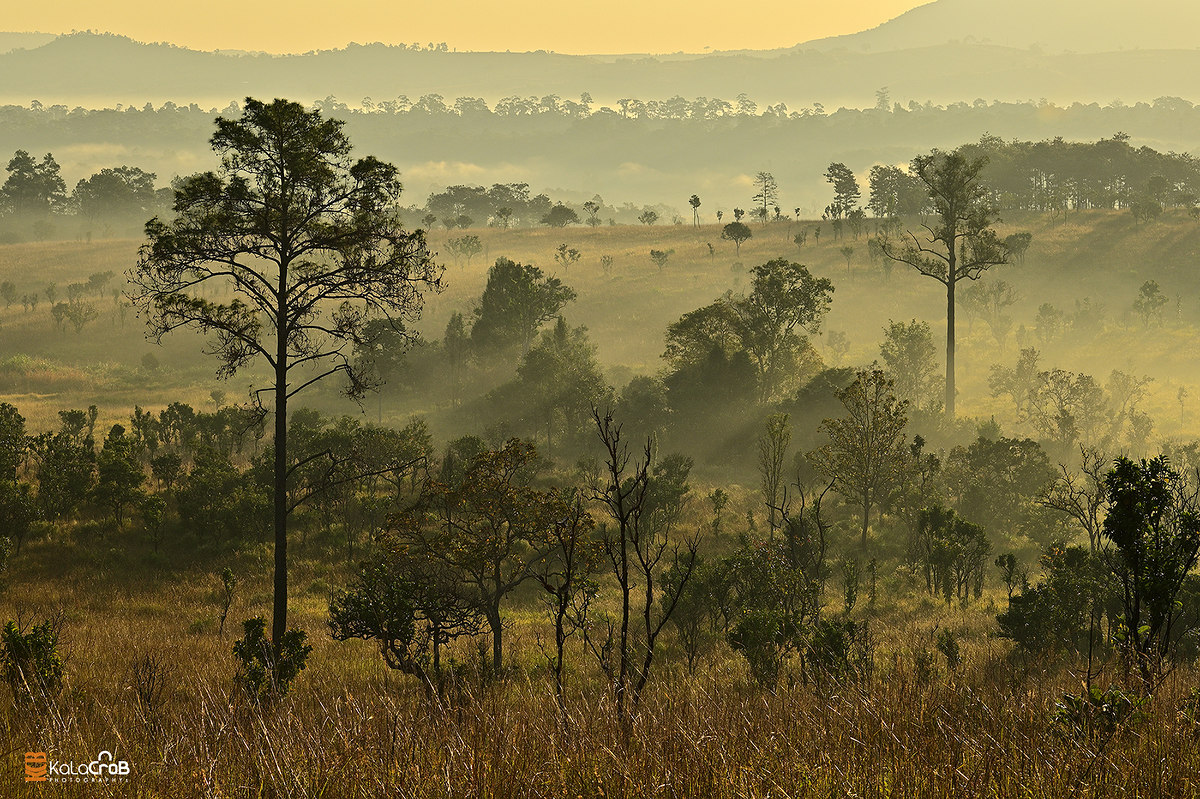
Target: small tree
637,551
566,256
866,447
648,217
1153,523
660,257
737,232
772,449
694,201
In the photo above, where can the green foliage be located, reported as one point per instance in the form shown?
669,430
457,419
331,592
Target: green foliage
952,552
737,232
1096,713
999,484
1064,612
18,511
841,649
1154,527
866,449
266,672
947,644
216,500
560,216
910,358
30,660
516,302
120,474
768,600
13,443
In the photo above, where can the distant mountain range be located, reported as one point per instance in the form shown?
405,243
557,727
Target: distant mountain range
1052,26
945,51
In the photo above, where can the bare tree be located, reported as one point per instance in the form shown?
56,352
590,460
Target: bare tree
639,552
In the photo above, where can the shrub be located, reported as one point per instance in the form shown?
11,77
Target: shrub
1094,713
262,672
30,661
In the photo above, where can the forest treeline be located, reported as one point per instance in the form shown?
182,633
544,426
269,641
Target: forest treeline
657,147
1052,175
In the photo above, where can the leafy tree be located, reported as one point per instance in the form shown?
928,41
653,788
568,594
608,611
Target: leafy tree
558,382
8,292
516,302
1153,524
648,217
66,463
309,243
846,191
466,246
909,354
13,443
32,189
694,201
960,244
217,501
737,232
952,552
593,211
660,257
120,474
998,483
560,216
18,511
785,299
766,194
1149,302
407,606
866,448
765,327
121,193
1063,611
490,528
566,255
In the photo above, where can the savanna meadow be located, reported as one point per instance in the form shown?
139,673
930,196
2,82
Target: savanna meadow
874,479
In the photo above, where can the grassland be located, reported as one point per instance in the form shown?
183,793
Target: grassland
352,729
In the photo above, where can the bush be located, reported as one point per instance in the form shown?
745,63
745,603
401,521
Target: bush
262,672
841,650
30,661
1097,714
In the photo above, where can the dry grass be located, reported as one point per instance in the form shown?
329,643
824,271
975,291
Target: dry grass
351,729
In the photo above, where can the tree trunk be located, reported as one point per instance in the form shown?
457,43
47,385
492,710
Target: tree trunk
950,283
279,617
866,519
494,623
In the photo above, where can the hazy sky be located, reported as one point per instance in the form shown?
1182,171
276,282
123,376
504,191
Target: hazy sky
613,26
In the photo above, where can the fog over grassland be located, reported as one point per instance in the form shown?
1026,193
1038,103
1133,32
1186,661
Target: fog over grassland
398,421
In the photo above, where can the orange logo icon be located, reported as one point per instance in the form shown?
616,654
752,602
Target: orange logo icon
35,767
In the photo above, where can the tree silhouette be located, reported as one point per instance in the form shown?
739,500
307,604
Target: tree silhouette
960,244
308,242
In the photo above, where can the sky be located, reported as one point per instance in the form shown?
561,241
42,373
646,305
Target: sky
614,26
